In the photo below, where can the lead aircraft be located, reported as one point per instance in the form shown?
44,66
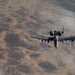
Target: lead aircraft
55,36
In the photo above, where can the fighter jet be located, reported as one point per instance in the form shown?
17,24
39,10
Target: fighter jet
55,36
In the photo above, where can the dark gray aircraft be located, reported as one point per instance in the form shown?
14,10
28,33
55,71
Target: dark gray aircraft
56,36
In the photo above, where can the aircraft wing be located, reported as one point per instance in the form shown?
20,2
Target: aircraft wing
70,38
43,38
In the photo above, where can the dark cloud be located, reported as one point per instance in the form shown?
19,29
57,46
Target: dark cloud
13,14
16,55
24,68
7,70
2,15
48,67
12,62
67,4
4,25
34,55
22,12
13,40
2,55
70,73
21,20
7,19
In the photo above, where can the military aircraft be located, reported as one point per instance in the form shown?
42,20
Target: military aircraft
55,36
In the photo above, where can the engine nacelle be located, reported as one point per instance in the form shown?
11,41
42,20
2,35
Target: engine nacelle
60,33
51,33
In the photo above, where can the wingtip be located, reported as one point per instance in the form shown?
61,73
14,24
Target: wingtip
32,36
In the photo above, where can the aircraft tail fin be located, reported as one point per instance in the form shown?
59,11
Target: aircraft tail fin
63,30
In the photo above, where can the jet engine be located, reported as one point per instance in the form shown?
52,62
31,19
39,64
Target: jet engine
60,33
51,33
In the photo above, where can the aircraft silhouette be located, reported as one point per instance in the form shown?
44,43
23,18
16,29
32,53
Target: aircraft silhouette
55,37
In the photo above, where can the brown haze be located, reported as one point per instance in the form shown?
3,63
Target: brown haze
22,55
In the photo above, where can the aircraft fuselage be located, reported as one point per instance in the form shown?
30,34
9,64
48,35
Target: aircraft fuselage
56,41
